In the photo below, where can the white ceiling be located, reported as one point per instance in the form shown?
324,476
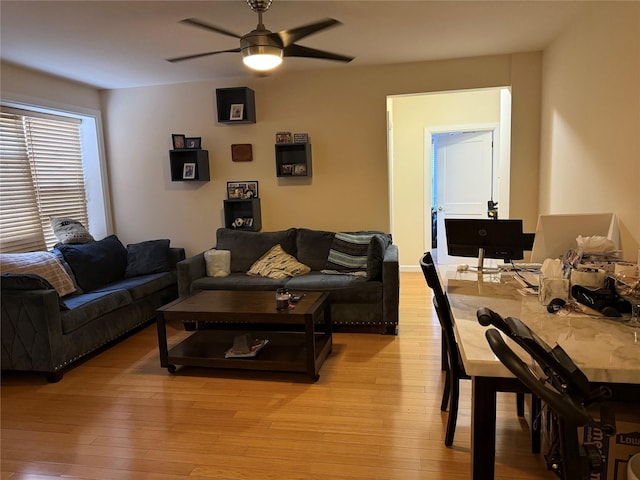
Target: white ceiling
117,44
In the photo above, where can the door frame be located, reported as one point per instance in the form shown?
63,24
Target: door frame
501,168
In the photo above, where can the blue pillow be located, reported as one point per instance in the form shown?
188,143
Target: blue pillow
147,257
96,264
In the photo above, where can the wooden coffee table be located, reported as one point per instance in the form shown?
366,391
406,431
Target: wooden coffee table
299,338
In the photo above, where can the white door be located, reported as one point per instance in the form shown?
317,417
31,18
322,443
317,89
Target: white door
464,176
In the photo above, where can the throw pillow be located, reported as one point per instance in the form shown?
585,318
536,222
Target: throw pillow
312,247
97,263
218,262
144,258
246,247
67,268
68,230
28,281
375,256
44,264
349,252
277,263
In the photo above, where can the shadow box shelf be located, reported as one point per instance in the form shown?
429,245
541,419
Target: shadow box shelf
293,159
226,97
246,209
189,165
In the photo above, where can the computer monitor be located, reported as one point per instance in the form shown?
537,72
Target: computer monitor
483,238
556,234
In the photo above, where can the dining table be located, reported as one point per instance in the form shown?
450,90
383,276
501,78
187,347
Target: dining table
605,349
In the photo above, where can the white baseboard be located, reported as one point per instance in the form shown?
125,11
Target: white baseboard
409,268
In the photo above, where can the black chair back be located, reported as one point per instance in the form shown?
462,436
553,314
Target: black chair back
431,274
443,310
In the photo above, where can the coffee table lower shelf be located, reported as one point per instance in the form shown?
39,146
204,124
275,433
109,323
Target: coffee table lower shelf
285,352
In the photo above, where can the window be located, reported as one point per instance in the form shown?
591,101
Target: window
41,176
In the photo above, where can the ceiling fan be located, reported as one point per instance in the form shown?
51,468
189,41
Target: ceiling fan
263,50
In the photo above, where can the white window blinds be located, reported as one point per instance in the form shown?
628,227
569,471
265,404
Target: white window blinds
41,176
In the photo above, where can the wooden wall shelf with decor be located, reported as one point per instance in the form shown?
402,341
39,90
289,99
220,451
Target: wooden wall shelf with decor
245,209
293,159
226,98
189,165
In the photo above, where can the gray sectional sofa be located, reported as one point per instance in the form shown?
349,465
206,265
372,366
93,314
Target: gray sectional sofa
360,301
117,289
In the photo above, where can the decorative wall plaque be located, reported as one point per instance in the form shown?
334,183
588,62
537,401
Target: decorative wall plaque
241,152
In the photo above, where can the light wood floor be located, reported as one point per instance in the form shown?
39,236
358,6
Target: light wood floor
374,414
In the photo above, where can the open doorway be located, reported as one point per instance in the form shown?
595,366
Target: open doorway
412,121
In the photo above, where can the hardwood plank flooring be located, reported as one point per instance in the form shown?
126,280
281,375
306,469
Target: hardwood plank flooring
374,414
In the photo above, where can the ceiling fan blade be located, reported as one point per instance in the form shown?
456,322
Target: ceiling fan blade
300,51
292,35
207,26
198,55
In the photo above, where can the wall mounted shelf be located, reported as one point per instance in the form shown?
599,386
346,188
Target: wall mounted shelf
243,208
293,159
225,97
200,159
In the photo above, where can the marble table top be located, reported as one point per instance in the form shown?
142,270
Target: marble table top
605,349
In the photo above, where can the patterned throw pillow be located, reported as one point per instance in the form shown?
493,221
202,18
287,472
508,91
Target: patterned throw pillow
349,252
68,230
277,263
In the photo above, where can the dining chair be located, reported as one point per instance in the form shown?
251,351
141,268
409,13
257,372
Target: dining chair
452,361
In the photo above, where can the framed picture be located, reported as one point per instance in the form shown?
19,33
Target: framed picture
237,109
193,142
301,138
300,169
283,137
189,171
178,141
287,169
242,190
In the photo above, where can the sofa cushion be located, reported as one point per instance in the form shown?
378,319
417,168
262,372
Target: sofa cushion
97,263
144,258
277,263
316,281
313,246
88,307
349,252
28,281
68,230
43,264
237,281
246,247
142,285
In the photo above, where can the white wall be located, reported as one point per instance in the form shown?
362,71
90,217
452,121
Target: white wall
411,169
590,141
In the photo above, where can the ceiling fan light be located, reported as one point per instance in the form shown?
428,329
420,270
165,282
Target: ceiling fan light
262,57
